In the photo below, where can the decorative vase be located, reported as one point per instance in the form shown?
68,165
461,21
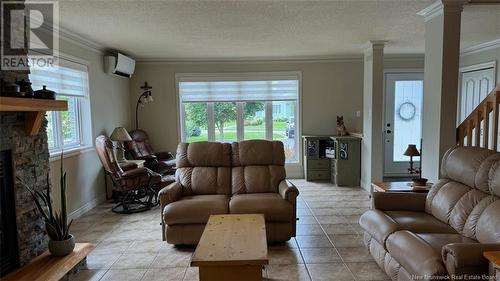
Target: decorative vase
62,248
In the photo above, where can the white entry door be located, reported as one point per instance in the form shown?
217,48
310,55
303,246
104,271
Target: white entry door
403,120
475,86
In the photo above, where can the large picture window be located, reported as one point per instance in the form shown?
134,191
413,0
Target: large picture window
228,108
66,130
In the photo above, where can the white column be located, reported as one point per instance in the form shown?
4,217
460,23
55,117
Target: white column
373,96
442,53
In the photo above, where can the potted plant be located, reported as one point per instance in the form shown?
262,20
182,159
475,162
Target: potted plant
61,242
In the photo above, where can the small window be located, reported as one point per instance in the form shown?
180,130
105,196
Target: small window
235,107
66,130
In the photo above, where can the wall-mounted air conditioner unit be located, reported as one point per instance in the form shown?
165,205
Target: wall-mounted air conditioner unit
119,64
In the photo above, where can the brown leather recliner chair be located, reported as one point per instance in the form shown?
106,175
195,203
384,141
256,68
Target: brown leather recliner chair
140,149
441,235
221,178
134,184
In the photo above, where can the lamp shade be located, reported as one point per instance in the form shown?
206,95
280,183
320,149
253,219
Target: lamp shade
120,134
411,150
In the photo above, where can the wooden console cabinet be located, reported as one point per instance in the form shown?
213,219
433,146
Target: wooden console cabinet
333,158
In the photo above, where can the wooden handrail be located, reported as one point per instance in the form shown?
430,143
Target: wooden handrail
475,129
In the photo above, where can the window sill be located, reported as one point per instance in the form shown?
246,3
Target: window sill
73,152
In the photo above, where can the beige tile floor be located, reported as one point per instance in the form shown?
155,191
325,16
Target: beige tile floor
328,245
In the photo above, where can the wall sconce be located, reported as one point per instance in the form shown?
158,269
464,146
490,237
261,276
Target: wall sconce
144,98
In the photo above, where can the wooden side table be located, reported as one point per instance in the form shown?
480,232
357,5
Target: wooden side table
400,186
494,258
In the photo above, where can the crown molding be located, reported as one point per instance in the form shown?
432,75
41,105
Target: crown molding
311,59
493,44
433,10
81,41
404,57
437,8
289,59
72,37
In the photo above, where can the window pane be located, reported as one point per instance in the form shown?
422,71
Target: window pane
69,122
284,128
255,120
225,121
196,122
50,129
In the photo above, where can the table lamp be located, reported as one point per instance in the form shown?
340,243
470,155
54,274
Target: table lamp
120,135
412,151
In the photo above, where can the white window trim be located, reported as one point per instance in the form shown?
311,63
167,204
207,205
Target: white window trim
242,76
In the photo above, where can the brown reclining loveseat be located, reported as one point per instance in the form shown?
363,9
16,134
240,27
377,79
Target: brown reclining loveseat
212,178
441,235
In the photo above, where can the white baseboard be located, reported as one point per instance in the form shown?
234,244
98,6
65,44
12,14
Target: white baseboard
87,207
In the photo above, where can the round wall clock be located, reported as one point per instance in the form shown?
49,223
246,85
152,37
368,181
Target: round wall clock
407,111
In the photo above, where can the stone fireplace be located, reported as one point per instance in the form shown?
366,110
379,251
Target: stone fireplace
28,159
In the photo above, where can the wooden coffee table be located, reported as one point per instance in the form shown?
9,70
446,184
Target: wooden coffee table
232,247
399,186
494,258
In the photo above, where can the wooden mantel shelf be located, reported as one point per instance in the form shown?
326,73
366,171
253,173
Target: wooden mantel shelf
50,268
34,110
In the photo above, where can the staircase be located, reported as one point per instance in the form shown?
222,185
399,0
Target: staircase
480,128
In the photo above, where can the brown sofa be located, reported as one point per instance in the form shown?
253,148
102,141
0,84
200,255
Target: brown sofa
441,235
219,178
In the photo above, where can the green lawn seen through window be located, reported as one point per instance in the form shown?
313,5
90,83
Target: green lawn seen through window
251,132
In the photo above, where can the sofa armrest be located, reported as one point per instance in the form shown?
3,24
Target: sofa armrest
467,258
169,194
399,201
288,191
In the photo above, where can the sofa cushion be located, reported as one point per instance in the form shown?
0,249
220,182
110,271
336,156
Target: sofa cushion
258,166
415,255
272,205
195,209
203,154
257,152
378,225
467,165
204,168
488,225
256,179
419,222
444,198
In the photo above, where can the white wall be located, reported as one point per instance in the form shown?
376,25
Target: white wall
110,107
328,89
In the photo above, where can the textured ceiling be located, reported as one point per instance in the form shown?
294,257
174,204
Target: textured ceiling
224,29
